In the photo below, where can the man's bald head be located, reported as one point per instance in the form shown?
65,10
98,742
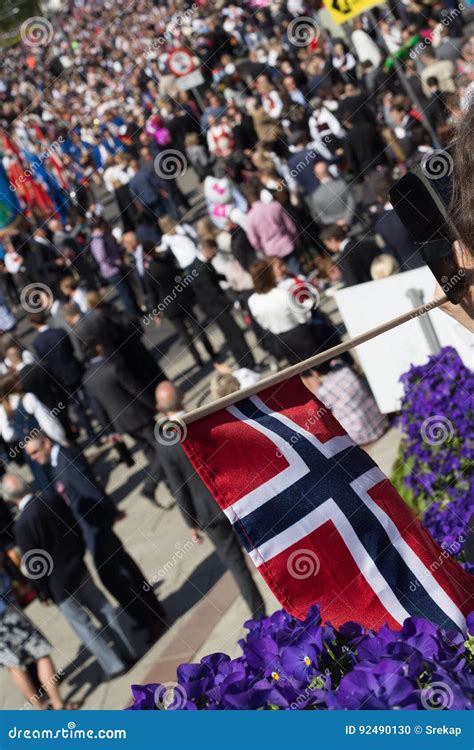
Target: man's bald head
168,398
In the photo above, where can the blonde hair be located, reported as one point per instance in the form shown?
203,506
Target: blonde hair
222,384
384,265
167,224
206,229
191,139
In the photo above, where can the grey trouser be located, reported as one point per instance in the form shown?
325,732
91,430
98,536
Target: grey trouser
74,608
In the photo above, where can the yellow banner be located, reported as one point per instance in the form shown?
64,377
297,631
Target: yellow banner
343,10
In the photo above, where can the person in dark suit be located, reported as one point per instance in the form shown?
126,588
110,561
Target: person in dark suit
396,239
363,148
43,260
353,257
214,303
122,406
53,551
54,349
199,509
172,298
95,514
160,195
122,338
55,353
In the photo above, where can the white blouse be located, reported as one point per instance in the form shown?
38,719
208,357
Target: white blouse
277,311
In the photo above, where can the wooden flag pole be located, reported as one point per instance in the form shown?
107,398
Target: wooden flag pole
307,364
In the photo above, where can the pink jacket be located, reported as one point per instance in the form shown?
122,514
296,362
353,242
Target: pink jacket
270,230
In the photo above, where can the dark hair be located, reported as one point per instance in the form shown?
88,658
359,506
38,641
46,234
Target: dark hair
208,243
262,275
334,232
38,318
70,309
252,191
9,383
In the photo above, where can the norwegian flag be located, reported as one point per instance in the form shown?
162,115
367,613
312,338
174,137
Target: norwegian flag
319,519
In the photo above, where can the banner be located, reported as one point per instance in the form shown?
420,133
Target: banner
9,207
343,10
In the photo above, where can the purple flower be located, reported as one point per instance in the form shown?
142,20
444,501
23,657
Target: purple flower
144,697
300,662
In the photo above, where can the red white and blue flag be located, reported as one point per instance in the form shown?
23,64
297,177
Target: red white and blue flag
319,519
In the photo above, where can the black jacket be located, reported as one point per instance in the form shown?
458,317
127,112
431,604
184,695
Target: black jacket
120,403
89,503
56,353
40,262
169,288
48,529
363,148
196,503
241,248
397,241
355,261
209,295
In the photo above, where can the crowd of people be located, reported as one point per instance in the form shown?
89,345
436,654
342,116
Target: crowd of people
294,136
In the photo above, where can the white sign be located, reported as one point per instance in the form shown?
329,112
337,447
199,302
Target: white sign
387,357
181,62
191,81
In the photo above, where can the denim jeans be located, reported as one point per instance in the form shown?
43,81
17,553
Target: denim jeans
96,641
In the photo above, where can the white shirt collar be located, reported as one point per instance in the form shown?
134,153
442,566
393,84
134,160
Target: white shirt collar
24,501
343,244
54,455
